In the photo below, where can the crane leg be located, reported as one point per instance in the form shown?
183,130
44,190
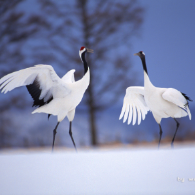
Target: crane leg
54,135
175,132
70,133
160,135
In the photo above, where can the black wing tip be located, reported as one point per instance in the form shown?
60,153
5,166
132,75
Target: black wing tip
49,116
187,98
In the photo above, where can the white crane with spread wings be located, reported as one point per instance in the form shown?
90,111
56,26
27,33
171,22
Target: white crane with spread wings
53,95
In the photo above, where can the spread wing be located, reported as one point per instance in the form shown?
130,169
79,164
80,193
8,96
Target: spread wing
176,97
41,81
134,105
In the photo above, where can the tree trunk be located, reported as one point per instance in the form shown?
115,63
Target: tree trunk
92,116
90,93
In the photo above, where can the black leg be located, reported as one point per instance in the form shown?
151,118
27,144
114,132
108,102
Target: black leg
175,132
160,135
54,135
70,133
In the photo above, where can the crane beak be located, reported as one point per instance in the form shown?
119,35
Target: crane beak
136,54
89,50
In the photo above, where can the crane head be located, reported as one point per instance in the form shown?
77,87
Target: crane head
140,54
84,50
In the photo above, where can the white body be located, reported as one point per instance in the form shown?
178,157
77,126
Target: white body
162,102
67,93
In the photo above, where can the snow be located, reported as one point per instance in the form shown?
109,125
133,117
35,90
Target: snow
98,171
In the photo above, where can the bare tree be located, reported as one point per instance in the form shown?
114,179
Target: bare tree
108,28
59,29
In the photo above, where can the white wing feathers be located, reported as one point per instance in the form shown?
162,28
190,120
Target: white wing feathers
44,73
174,96
41,80
134,105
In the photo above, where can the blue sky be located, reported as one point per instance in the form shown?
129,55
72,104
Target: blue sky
167,38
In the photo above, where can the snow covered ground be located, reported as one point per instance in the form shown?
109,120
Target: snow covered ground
98,171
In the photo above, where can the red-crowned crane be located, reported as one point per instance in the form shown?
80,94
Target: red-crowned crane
162,102
53,95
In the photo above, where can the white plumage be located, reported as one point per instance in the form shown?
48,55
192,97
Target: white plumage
54,96
162,102
134,105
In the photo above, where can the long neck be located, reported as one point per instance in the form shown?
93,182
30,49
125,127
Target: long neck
84,62
144,64
147,82
83,83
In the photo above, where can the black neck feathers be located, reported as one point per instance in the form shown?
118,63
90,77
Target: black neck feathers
84,62
144,64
